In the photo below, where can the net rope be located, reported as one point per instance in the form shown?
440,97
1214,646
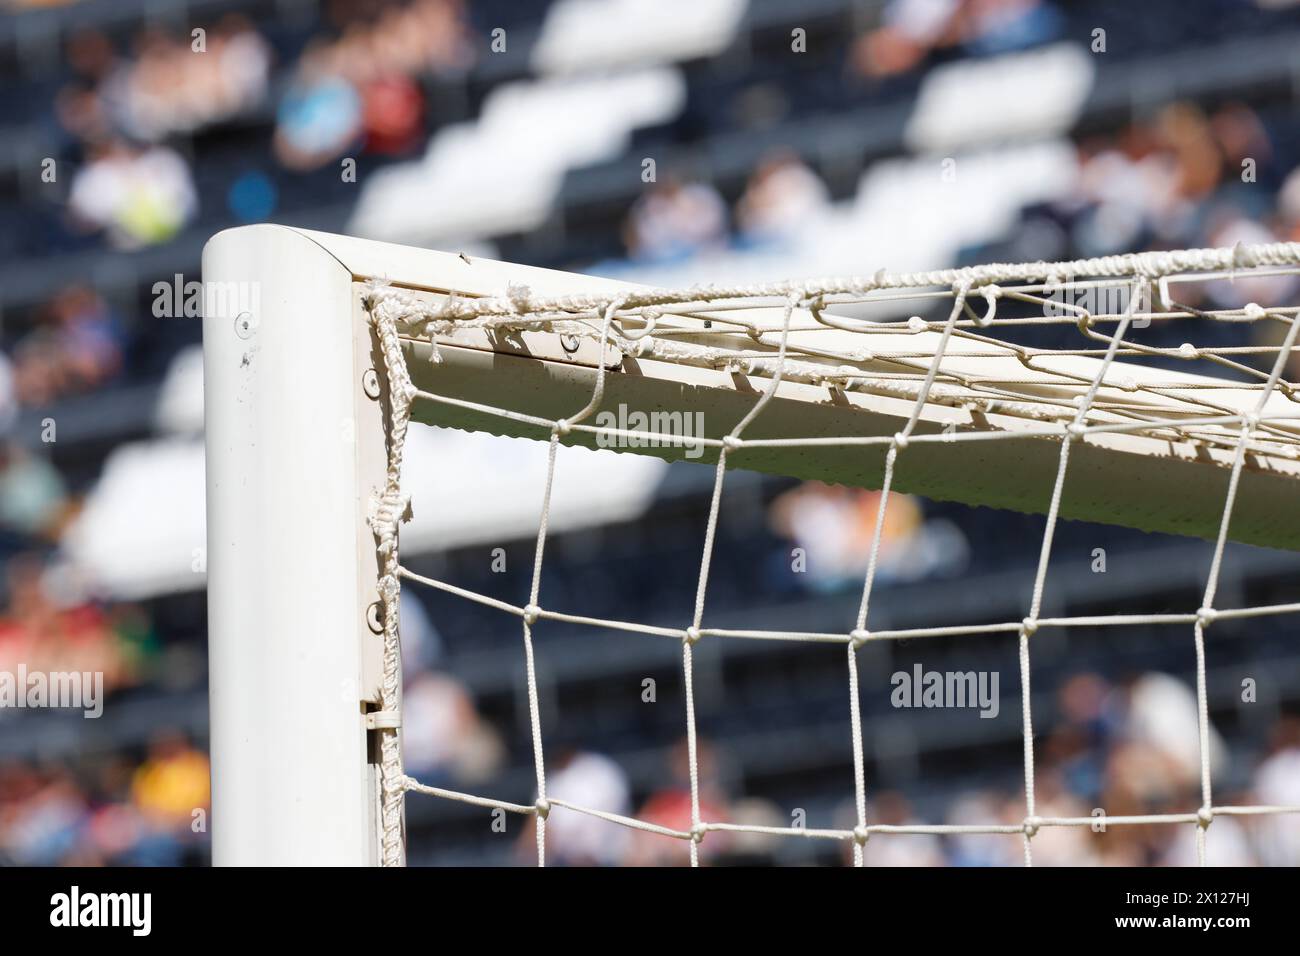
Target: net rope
766,331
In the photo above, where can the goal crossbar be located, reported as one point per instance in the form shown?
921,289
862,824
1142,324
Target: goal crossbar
845,394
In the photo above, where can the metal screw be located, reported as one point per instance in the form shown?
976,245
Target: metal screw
245,325
375,617
370,383
570,342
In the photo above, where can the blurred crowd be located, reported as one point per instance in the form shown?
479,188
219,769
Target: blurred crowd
1185,177
120,809
129,114
1115,751
912,32
1126,749
133,115
362,88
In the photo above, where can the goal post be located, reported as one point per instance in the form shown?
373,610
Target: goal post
293,451
321,349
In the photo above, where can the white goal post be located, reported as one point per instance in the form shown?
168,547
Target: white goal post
319,349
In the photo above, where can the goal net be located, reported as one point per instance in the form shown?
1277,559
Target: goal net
1149,390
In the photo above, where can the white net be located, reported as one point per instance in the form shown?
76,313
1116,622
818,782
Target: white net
1077,354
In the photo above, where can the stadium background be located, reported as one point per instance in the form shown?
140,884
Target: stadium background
788,139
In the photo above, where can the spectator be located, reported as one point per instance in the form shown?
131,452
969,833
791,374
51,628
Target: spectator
675,221
320,116
909,30
444,737
1277,783
90,55
41,817
1087,731
997,26
1226,844
76,348
80,107
579,839
241,65
37,632
835,526
671,808
170,792
392,115
979,808
783,196
911,849
1244,141
1057,846
1160,709
115,828
422,37
33,500
171,784
137,196
174,86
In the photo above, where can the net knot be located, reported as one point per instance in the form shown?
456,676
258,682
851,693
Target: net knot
563,427
389,509
520,296
692,634
543,807
1204,817
1029,626
531,613
900,440
991,295
697,833
1031,826
731,442
858,636
1244,256
861,834
1205,616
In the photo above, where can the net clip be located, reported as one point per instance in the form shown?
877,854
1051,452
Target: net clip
383,720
